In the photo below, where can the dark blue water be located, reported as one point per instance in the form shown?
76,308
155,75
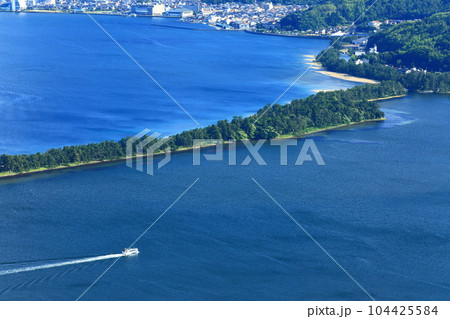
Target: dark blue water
65,82
379,206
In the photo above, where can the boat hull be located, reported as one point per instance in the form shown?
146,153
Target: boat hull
130,252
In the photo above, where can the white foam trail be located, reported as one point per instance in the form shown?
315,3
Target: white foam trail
61,264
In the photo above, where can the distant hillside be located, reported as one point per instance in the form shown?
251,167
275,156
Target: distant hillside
437,82
331,13
423,44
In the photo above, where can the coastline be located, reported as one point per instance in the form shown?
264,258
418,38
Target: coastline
119,14
289,35
370,100
387,98
310,60
347,77
326,90
98,163
317,66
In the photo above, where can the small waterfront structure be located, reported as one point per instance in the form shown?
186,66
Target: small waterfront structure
78,10
179,13
361,41
139,9
338,34
152,10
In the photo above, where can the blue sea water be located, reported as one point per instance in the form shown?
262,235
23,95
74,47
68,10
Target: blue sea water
65,82
379,206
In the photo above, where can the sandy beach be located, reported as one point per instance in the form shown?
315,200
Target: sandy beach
346,77
314,65
317,91
311,61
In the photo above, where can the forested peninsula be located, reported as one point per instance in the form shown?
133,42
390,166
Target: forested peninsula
323,110
413,56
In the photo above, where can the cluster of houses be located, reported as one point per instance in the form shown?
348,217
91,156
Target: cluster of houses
262,15
225,16
359,48
180,10
77,6
244,16
377,24
14,5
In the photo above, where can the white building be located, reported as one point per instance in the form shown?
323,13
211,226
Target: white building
375,24
156,9
153,10
212,19
194,6
338,34
140,9
268,6
78,10
18,5
207,11
361,41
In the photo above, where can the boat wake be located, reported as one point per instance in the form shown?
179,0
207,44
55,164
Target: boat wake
58,264
397,118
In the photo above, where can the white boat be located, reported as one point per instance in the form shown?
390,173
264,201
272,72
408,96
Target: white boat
130,251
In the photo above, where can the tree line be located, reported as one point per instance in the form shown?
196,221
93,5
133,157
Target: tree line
331,13
317,111
422,44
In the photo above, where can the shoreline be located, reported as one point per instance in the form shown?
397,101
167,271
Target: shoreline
119,14
98,163
370,100
388,98
310,60
289,35
318,68
325,90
